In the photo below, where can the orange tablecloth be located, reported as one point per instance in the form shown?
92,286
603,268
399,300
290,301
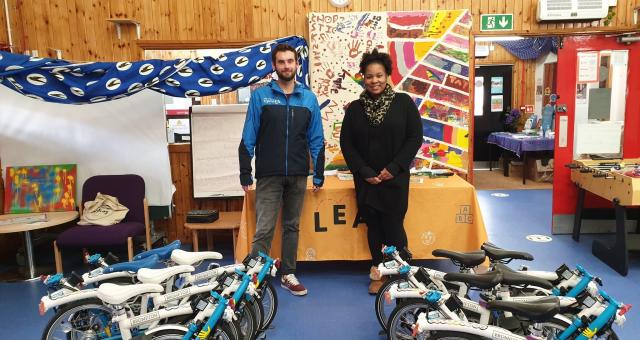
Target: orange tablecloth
443,213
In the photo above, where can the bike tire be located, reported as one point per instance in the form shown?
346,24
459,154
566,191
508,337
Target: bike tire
248,319
381,306
75,308
403,317
222,331
225,331
269,300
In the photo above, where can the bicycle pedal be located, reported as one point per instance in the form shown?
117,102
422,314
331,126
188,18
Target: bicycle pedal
382,332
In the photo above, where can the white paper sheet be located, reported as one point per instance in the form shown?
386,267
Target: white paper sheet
562,131
599,138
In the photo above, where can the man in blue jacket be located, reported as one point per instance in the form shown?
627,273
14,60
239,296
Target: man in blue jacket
282,129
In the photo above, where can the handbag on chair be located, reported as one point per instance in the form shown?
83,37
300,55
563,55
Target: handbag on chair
105,210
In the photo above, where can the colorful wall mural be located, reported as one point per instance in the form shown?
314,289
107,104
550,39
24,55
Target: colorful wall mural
430,50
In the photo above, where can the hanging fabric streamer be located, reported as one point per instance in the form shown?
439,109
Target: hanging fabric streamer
60,81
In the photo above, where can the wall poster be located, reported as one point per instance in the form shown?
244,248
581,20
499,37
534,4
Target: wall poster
588,67
497,103
496,85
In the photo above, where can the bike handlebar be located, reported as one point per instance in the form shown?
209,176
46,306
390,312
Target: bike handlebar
388,250
52,280
583,271
608,298
94,259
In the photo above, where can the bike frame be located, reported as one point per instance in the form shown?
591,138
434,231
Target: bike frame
605,309
218,311
486,331
183,308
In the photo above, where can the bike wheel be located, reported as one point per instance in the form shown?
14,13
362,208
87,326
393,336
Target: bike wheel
225,331
384,309
78,320
404,316
222,331
269,300
248,320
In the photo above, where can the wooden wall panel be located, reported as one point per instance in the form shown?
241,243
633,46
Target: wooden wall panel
4,34
80,29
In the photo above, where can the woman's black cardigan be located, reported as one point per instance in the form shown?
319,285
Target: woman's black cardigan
392,145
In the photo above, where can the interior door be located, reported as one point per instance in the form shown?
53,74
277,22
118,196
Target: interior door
494,82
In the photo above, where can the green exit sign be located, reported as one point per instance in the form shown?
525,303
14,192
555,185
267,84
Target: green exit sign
496,22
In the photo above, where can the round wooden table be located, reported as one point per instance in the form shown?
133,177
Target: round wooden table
52,219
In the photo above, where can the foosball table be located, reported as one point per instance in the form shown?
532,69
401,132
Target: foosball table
617,180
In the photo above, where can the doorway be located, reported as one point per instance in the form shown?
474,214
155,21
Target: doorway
493,100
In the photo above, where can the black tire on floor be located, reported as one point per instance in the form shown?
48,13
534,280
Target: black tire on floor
269,300
248,319
380,303
404,316
222,331
77,308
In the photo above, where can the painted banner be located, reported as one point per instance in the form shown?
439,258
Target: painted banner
430,52
40,188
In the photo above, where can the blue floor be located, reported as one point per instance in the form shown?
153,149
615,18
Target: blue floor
338,306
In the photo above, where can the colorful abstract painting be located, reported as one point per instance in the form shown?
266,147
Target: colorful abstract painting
40,188
430,52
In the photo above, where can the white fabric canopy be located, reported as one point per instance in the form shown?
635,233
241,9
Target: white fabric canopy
125,136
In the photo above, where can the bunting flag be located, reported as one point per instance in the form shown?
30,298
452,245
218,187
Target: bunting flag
60,81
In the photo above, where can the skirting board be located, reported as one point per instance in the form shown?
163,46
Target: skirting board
563,224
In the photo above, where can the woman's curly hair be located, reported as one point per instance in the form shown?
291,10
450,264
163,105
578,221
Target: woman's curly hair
376,57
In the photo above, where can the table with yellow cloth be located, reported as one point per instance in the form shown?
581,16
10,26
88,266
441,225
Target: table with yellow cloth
443,213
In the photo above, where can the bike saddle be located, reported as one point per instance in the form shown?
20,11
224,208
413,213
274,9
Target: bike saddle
535,310
163,252
147,275
511,277
114,294
470,259
133,266
482,281
494,253
186,257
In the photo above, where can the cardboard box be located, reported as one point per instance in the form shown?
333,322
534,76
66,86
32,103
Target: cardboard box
538,171
515,169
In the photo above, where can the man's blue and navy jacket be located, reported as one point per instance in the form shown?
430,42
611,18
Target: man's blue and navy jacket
282,132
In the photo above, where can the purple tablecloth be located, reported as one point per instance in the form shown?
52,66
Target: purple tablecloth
521,143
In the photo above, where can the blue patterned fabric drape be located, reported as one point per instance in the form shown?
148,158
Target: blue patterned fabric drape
531,48
60,81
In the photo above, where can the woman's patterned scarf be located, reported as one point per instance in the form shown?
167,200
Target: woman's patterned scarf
376,109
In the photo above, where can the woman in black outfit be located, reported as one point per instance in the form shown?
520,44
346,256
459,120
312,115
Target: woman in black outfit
380,136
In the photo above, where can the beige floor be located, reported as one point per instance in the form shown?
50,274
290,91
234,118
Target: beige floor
495,180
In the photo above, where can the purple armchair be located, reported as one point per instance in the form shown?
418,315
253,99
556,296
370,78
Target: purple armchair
130,191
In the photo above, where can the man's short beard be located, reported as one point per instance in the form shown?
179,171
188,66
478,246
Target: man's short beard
282,77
